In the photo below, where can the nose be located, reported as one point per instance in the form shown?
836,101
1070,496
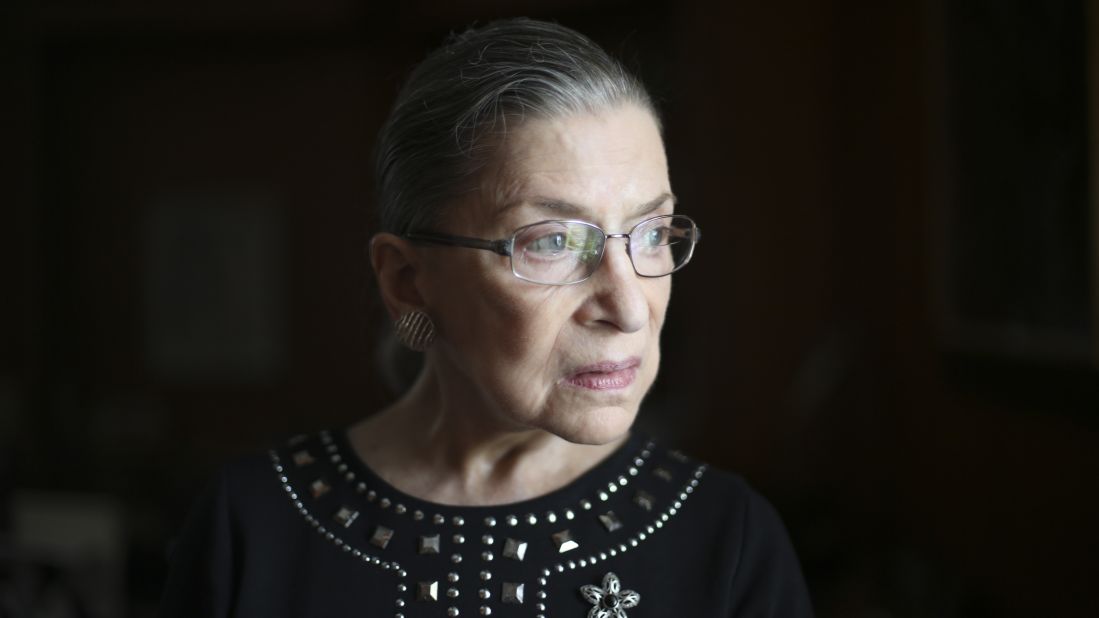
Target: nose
617,292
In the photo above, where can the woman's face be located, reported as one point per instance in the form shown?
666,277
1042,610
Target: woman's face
573,360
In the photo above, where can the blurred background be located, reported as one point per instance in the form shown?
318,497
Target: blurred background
890,328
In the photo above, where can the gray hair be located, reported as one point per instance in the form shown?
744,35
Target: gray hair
463,97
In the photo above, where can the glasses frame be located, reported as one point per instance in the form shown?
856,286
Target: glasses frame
506,246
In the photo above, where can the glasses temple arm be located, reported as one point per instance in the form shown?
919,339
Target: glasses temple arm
503,247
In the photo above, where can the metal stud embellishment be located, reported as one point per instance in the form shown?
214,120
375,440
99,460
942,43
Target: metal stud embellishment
663,474
644,500
512,593
610,600
302,458
427,591
564,541
515,549
319,488
381,536
610,521
345,516
429,544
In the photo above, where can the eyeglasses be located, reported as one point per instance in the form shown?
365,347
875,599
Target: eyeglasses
568,252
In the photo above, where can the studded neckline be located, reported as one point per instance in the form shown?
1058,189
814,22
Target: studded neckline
504,550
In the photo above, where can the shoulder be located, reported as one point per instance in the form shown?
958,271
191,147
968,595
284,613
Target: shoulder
744,539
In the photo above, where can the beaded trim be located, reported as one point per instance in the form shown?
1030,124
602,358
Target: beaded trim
541,595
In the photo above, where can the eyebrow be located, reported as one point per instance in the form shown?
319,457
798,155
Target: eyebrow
573,210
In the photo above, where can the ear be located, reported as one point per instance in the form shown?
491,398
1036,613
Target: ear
396,266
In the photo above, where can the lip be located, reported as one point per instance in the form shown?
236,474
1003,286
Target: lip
605,375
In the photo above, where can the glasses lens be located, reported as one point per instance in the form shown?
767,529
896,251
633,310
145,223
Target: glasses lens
557,251
662,245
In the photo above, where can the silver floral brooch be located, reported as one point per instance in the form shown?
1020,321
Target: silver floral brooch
610,601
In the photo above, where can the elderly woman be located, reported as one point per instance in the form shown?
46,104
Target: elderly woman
528,234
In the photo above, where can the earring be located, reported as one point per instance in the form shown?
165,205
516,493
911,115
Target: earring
415,330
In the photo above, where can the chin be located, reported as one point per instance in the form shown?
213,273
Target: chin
598,426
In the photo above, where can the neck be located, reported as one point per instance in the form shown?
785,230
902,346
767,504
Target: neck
440,446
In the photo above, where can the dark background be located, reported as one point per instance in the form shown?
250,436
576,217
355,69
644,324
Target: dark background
889,328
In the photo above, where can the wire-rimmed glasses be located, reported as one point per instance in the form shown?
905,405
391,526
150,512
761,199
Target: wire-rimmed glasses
568,252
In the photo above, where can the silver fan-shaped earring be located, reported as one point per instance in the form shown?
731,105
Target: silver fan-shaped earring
415,330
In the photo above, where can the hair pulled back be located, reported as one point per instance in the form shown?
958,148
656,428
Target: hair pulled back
463,97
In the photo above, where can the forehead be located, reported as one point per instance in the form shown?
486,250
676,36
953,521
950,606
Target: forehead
598,166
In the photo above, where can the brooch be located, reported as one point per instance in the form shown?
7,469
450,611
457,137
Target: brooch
610,601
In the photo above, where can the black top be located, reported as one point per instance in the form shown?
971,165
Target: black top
309,530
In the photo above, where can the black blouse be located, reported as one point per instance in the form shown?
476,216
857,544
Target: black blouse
309,530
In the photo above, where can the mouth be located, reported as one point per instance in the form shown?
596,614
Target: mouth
605,375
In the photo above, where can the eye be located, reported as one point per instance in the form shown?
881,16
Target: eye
655,237
549,243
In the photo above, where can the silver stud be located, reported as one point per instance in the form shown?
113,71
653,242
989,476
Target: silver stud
427,591
452,577
531,519
384,503
542,581
564,541
486,575
381,536
602,496
633,471
302,458
545,572
623,481
438,519
319,488
459,539
483,594
456,558
490,521
360,488
452,611
345,516
349,477
402,588
610,521
486,556
644,500
569,514
541,594
515,549
512,520
458,520
429,544
417,515
485,610
335,458
371,495
400,603
551,517
341,468
452,593
586,504
487,539
512,593
399,509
